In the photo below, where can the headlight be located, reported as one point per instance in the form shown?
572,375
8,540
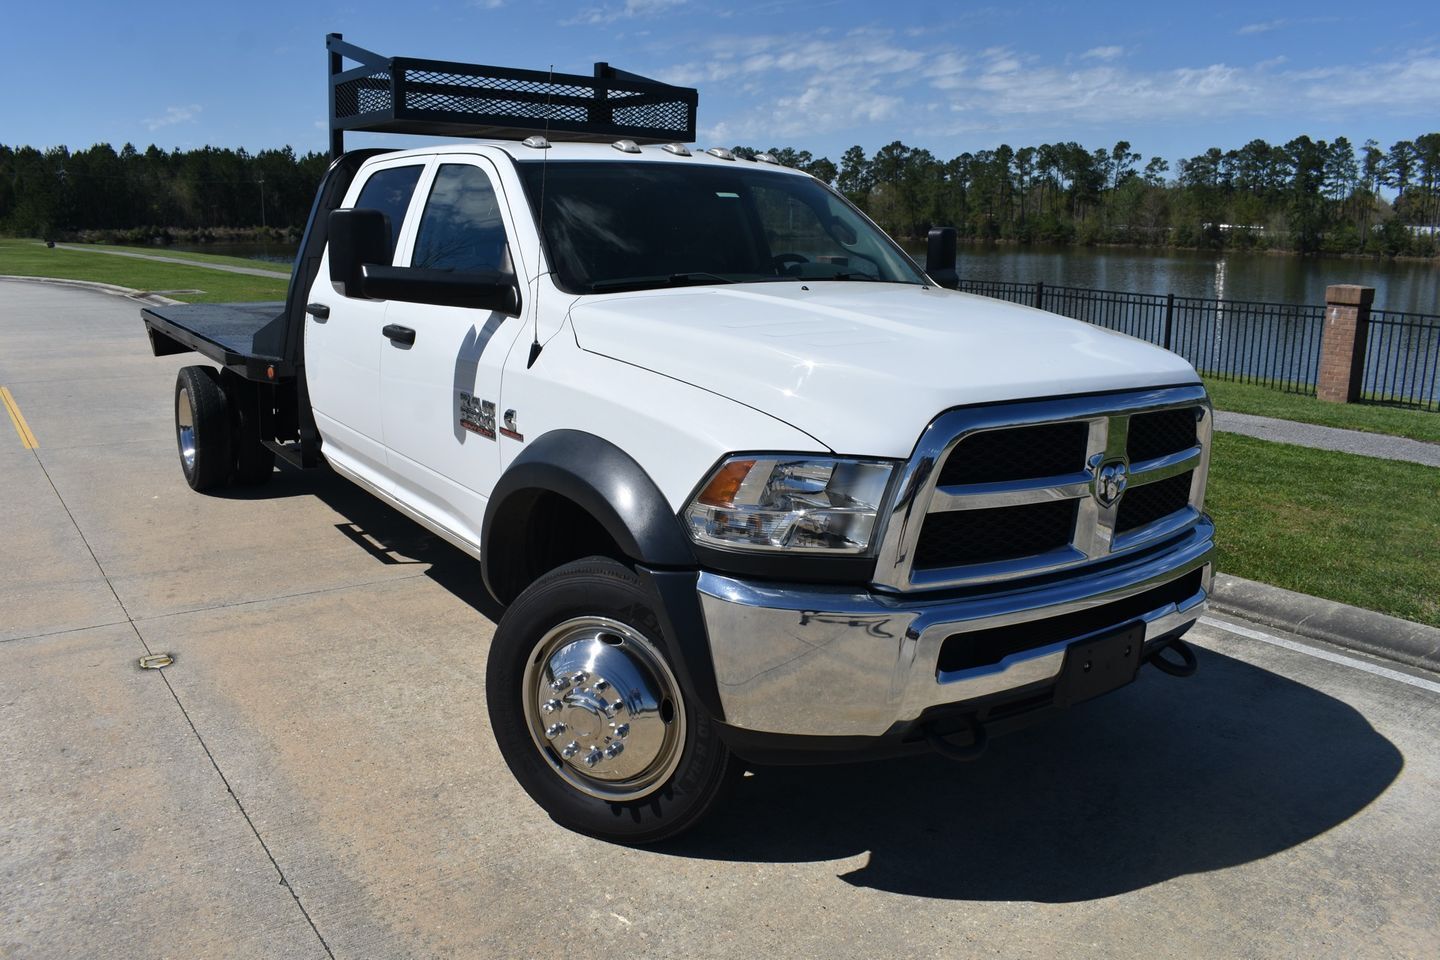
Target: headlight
802,503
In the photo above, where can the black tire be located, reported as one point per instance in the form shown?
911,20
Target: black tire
598,588
254,462
205,452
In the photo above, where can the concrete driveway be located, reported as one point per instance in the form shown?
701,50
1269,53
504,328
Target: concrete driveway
314,776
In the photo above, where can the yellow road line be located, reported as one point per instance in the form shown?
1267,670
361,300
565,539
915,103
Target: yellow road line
27,439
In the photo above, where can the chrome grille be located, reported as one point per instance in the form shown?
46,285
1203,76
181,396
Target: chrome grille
1157,434
1153,501
997,455
1000,533
996,493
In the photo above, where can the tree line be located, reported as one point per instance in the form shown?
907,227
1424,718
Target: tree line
138,196
1305,195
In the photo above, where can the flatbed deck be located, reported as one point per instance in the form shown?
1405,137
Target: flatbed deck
237,335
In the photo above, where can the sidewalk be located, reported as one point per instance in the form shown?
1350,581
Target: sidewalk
278,273
1329,438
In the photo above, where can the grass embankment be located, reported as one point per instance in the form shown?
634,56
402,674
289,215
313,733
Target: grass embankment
1354,529
30,258
1267,402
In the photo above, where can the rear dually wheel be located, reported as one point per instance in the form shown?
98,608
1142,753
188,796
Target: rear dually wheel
202,428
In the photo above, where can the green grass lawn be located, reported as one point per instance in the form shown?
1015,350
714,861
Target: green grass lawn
27,258
1268,402
1354,529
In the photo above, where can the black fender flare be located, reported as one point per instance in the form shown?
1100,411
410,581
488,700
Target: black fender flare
603,480
606,482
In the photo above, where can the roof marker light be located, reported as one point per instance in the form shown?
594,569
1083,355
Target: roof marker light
766,158
679,149
721,152
626,146
536,143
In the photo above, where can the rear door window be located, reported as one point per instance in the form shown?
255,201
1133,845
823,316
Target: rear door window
389,190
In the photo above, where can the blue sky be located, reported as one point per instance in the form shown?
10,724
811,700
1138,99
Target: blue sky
818,75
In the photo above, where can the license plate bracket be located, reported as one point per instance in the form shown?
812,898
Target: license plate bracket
1099,665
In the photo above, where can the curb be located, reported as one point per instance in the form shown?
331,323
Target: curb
141,296
1366,631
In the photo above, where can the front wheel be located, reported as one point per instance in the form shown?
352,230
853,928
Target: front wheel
589,716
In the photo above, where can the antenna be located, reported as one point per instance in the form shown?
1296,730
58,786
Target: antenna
535,347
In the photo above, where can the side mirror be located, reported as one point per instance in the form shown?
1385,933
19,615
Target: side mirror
940,257
482,289
357,238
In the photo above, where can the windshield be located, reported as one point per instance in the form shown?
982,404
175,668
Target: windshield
612,226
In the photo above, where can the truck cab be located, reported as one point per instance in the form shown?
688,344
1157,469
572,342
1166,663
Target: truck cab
751,483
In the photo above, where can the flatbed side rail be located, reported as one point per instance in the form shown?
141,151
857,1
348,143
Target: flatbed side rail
170,336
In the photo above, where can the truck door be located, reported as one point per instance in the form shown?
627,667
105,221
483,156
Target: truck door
440,393
342,351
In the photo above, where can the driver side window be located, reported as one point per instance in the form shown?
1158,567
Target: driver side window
461,229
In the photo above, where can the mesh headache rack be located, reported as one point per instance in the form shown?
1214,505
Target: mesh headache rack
438,98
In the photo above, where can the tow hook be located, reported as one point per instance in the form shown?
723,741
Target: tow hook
971,751
1188,665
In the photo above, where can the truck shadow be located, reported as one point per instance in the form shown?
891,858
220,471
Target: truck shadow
389,536
1162,779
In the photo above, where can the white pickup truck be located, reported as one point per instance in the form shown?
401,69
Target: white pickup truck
751,484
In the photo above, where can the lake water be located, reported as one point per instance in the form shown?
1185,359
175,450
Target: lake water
1406,286
1274,278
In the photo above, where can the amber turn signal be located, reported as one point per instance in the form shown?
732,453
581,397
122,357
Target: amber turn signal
721,490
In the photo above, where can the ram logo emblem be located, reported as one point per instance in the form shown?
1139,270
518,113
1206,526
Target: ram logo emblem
1110,482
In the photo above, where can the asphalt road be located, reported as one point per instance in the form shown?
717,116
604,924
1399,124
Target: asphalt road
314,776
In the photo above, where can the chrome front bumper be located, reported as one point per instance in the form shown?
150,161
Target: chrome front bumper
827,662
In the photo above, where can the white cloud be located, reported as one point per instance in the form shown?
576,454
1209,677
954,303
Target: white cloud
1264,27
629,10
824,83
781,89
487,4
174,115
1102,53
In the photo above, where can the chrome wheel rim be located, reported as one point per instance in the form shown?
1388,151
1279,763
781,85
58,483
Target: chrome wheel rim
185,428
603,708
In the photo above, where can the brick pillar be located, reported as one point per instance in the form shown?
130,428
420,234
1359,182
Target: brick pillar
1342,348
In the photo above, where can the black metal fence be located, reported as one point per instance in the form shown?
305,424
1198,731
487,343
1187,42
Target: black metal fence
1402,359
1275,345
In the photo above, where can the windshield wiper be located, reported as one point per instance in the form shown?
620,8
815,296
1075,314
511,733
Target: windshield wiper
699,277
849,276
673,280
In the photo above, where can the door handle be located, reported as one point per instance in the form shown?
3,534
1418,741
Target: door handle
319,311
398,334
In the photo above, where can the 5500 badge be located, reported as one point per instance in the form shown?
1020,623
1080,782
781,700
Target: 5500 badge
477,416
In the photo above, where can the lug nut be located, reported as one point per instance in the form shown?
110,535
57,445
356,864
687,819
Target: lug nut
559,683
622,731
614,750
593,757
554,730
570,749
580,678
550,706
601,684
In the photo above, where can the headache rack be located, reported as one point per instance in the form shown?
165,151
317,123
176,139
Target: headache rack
439,98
